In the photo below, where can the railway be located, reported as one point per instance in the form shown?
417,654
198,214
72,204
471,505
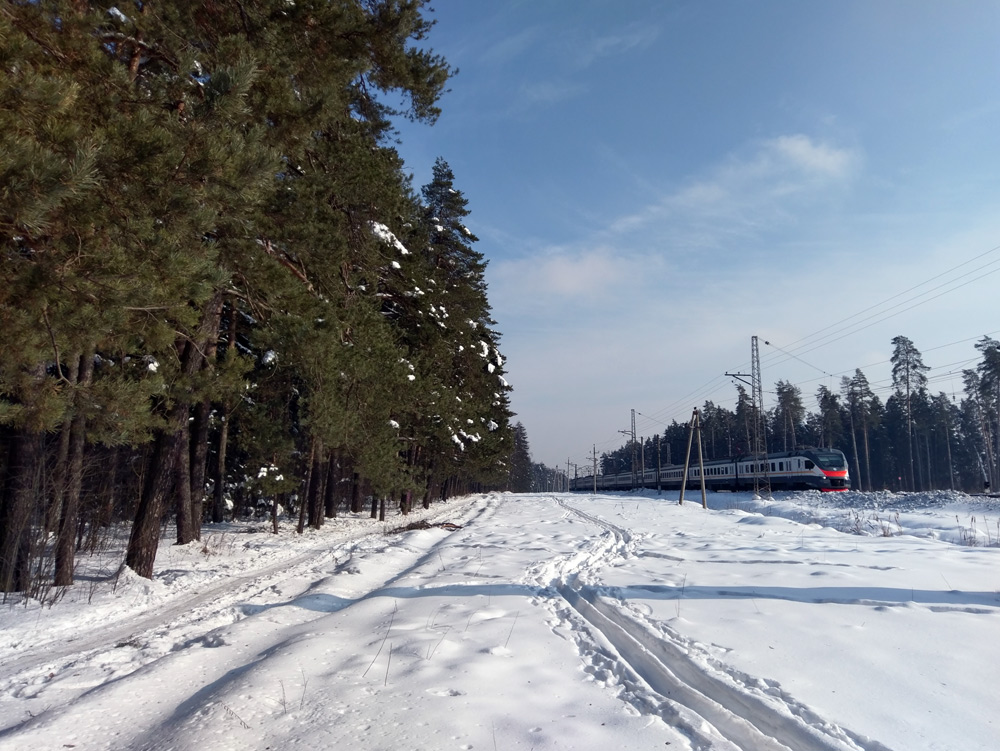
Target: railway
820,469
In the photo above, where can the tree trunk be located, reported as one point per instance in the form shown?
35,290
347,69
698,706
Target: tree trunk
182,487
199,460
854,446
107,494
219,495
356,494
61,469
868,458
70,512
430,486
317,487
219,492
145,537
331,497
306,488
18,496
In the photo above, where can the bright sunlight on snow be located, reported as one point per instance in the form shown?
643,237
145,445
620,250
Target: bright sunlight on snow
808,622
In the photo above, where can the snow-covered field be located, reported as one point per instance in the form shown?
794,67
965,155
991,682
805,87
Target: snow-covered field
810,622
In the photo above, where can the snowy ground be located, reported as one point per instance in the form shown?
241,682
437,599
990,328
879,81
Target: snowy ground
544,622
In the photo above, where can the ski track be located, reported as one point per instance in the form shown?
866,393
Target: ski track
718,707
655,670
202,618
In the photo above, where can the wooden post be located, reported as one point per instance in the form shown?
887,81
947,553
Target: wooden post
701,463
687,458
659,466
642,455
694,426
595,469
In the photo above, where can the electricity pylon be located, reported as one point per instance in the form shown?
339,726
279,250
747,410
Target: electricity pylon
762,470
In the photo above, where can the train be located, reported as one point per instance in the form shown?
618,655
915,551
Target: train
821,469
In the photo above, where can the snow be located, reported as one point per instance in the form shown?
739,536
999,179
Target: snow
386,235
547,621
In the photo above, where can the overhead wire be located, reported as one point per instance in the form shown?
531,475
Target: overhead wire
811,342
814,341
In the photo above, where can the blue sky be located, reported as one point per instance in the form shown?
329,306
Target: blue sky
656,182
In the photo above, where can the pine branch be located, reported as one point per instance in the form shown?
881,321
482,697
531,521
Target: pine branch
283,259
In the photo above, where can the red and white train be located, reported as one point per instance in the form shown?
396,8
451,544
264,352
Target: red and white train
803,469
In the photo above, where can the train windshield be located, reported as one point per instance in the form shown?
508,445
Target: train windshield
830,460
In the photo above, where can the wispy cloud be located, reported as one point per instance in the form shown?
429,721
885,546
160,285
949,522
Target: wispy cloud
565,273
633,37
571,284
764,181
800,153
548,92
510,47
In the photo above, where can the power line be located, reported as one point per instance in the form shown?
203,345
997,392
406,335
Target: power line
806,340
814,341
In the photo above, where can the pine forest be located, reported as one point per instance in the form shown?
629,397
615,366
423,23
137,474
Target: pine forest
221,296
913,440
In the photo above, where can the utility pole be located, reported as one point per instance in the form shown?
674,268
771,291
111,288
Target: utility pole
633,449
642,455
631,435
761,474
595,469
659,466
694,427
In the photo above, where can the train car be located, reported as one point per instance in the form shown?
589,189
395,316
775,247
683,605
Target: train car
803,469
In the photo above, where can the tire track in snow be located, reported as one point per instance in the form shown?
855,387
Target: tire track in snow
196,614
714,707
196,619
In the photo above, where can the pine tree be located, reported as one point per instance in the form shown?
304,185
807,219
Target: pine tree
908,377
859,397
789,412
988,370
520,461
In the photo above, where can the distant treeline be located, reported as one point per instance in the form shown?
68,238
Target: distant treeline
915,440
220,293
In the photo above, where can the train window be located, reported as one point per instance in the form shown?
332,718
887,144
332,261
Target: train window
830,459
809,464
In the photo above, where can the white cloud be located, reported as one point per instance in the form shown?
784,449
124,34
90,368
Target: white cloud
511,47
811,158
548,92
633,37
760,184
584,274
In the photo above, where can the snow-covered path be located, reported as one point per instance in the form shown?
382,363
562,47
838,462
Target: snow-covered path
542,622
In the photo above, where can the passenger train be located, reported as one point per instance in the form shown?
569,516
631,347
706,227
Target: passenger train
803,469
